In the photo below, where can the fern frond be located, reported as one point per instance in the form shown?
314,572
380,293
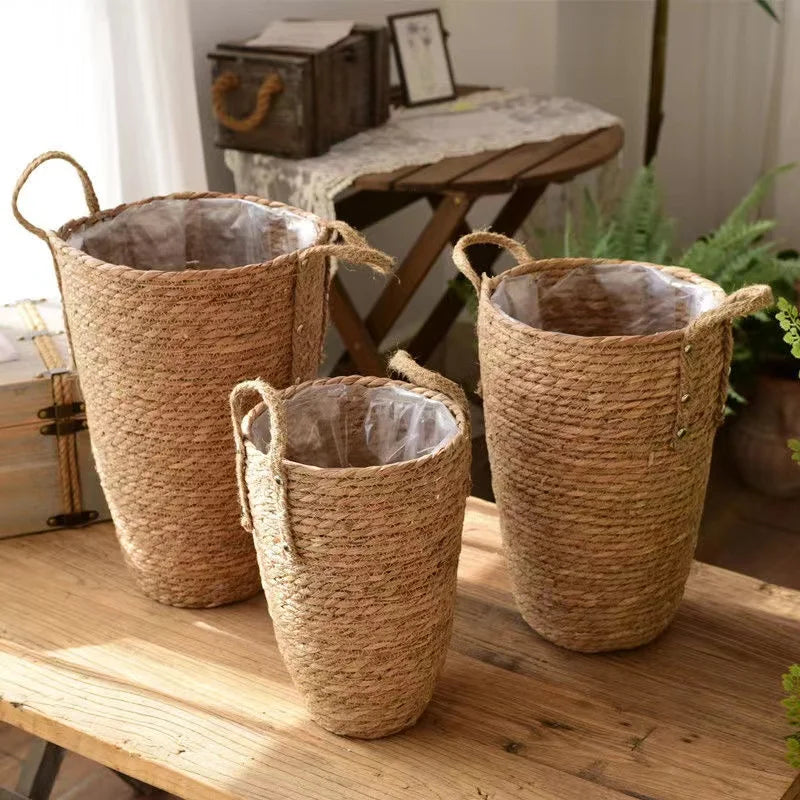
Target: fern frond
751,202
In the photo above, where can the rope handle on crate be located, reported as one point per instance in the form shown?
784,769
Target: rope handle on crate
402,363
88,189
462,262
241,402
228,81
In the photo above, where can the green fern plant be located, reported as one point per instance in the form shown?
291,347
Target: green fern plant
789,321
636,230
737,253
791,685
733,255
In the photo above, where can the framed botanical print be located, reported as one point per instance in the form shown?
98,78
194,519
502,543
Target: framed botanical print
422,57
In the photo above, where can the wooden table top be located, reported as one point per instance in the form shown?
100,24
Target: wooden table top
198,702
500,171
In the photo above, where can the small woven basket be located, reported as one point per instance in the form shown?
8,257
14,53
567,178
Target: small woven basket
358,557
600,426
170,302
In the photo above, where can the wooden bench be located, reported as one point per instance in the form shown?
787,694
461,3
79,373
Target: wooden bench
199,703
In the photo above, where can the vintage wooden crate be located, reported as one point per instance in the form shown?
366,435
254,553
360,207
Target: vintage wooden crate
47,475
309,99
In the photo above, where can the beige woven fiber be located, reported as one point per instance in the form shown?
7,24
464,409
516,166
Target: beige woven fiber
158,349
600,448
358,563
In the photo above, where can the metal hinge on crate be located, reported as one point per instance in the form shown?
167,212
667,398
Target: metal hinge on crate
72,519
63,426
61,411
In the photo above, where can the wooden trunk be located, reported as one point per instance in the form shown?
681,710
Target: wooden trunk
327,95
47,471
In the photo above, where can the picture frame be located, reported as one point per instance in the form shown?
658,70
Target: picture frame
423,60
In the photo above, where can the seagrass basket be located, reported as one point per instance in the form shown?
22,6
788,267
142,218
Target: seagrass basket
603,384
169,302
354,490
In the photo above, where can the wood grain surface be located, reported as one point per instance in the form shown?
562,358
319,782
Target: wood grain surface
499,171
198,702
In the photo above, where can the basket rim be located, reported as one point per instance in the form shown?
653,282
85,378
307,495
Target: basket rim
370,382
489,284
58,238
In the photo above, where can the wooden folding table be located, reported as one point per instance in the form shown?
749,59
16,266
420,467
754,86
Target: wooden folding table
452,186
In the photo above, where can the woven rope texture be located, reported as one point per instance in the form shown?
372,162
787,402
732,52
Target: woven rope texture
600,449
359,564
157,352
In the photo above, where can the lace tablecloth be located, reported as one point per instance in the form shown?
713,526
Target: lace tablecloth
485,120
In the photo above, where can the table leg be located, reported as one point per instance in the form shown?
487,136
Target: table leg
140,787
448,216
39,770
360,347
513,213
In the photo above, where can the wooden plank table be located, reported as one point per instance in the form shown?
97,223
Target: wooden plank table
198,702
452,186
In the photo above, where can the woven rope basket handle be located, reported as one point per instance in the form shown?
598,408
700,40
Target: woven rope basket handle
402,363
241,401
739,304
228,81
88,189
745,301
485,237
352,247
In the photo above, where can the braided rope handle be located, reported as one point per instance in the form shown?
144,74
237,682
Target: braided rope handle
88,189
742,302
462,262
228,81
352,247
402,363
241,402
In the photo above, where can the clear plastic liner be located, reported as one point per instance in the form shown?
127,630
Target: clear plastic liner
359,426
604,300
200,233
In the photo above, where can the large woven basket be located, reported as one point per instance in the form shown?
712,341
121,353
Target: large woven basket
599,426
358,556
169,303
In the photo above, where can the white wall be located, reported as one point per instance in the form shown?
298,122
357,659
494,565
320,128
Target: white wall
602,57
714,138
721,59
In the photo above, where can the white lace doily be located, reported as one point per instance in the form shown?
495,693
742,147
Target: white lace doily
485,120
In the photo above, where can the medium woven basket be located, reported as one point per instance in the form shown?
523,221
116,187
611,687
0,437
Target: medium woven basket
358,562
169,303
600,442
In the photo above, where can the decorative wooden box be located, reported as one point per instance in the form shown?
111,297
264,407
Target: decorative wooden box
48,476
296,103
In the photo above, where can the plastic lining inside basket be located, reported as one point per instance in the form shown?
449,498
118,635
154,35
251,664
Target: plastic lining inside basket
604,300
358,426
202,233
